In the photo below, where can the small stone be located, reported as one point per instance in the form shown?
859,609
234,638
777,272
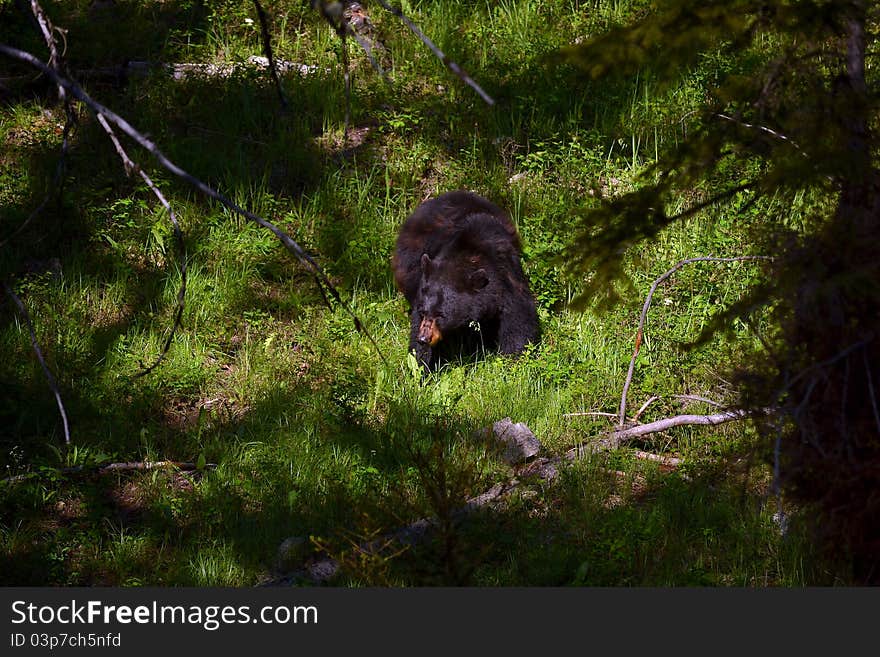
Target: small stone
292,551
519,442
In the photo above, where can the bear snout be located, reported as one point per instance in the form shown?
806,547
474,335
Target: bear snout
429,332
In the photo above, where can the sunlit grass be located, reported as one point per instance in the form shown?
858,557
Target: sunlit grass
314,433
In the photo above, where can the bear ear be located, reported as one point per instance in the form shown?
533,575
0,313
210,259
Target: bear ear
426,263
478,279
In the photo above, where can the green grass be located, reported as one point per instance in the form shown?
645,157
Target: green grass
312,433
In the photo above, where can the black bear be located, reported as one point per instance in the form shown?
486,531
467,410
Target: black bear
457,262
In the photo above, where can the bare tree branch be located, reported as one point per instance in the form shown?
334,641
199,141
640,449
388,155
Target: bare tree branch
765,129
130,466
267,51
131,167
48,31
678,421
291,245
590,414
451,65
644,407
640,332
53,384
671,461
697,398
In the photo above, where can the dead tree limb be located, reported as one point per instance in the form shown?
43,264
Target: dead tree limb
184,466
47,30
267,51
451,65
644,407
591,414
766,130
326,567
613,439
131,167
291,245
55,62
53,384
698,398
647,304
130,466
671,461
189,70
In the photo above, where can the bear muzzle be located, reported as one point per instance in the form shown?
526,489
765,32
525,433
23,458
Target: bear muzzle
429,332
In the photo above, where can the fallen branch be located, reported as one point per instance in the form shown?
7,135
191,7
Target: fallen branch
643,316
184,466
613,439
53,384
187,70
291,245
130,466
590,414
697,398
671,461
324,568
644,407
765,129
48,31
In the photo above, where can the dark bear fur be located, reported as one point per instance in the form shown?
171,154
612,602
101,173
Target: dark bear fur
457,262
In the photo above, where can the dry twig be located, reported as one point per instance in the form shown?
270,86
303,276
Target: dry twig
671,461
48,31
451,65
640,331
131,167
53,384
267,50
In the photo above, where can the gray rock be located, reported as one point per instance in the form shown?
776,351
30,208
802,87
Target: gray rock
519,442
292,551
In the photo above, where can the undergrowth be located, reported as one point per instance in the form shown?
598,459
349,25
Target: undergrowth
300,428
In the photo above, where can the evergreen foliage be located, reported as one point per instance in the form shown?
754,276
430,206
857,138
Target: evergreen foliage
794,116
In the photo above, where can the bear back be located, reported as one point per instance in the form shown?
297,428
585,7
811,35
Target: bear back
462,228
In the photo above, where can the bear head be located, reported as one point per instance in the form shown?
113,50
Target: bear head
452,293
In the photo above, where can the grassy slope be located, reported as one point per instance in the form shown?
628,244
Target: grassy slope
313,434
